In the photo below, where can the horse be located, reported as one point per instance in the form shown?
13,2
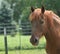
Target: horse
45,23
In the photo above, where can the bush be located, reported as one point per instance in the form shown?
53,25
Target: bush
25,24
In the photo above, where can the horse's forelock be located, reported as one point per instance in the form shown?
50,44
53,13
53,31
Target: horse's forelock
34,14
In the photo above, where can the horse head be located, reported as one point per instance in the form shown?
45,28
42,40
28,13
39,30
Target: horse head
38,21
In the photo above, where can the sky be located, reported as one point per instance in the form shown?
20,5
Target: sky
0,2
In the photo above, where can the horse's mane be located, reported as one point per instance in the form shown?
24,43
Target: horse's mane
53,19
51,14
33,14
56,18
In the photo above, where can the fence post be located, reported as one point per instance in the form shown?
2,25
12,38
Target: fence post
5,41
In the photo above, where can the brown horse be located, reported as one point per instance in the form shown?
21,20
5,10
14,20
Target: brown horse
47,23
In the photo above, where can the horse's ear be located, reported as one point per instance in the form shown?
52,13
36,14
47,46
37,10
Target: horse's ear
32,9
42,9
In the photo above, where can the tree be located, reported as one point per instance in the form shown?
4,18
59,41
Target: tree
22,7
53,5
6,16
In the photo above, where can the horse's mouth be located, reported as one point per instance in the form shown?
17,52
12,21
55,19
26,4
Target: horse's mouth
35,43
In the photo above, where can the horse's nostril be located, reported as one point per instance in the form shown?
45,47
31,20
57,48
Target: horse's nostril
35,40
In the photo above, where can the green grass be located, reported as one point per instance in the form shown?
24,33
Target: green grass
24,43
28,48
10,52
35,51
13,42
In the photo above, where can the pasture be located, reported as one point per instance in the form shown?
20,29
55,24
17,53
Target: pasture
21,42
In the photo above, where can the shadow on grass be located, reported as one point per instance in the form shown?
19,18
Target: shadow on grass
32,48
42,46
10,49
19,48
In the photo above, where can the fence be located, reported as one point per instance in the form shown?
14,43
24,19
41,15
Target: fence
19,43
26,47
9,42
10,28
25,28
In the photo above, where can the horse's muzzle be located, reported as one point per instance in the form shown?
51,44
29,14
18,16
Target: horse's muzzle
34,41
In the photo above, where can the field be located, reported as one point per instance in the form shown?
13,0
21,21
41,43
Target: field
22,42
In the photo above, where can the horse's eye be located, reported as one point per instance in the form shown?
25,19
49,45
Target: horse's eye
41,21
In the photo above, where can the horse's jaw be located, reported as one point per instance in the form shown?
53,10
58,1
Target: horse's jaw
35,44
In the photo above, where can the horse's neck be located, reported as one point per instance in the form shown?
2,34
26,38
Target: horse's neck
54,31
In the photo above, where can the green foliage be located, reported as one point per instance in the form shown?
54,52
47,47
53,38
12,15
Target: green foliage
6,18
25,14
20,6
5,14
25,24
53,5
